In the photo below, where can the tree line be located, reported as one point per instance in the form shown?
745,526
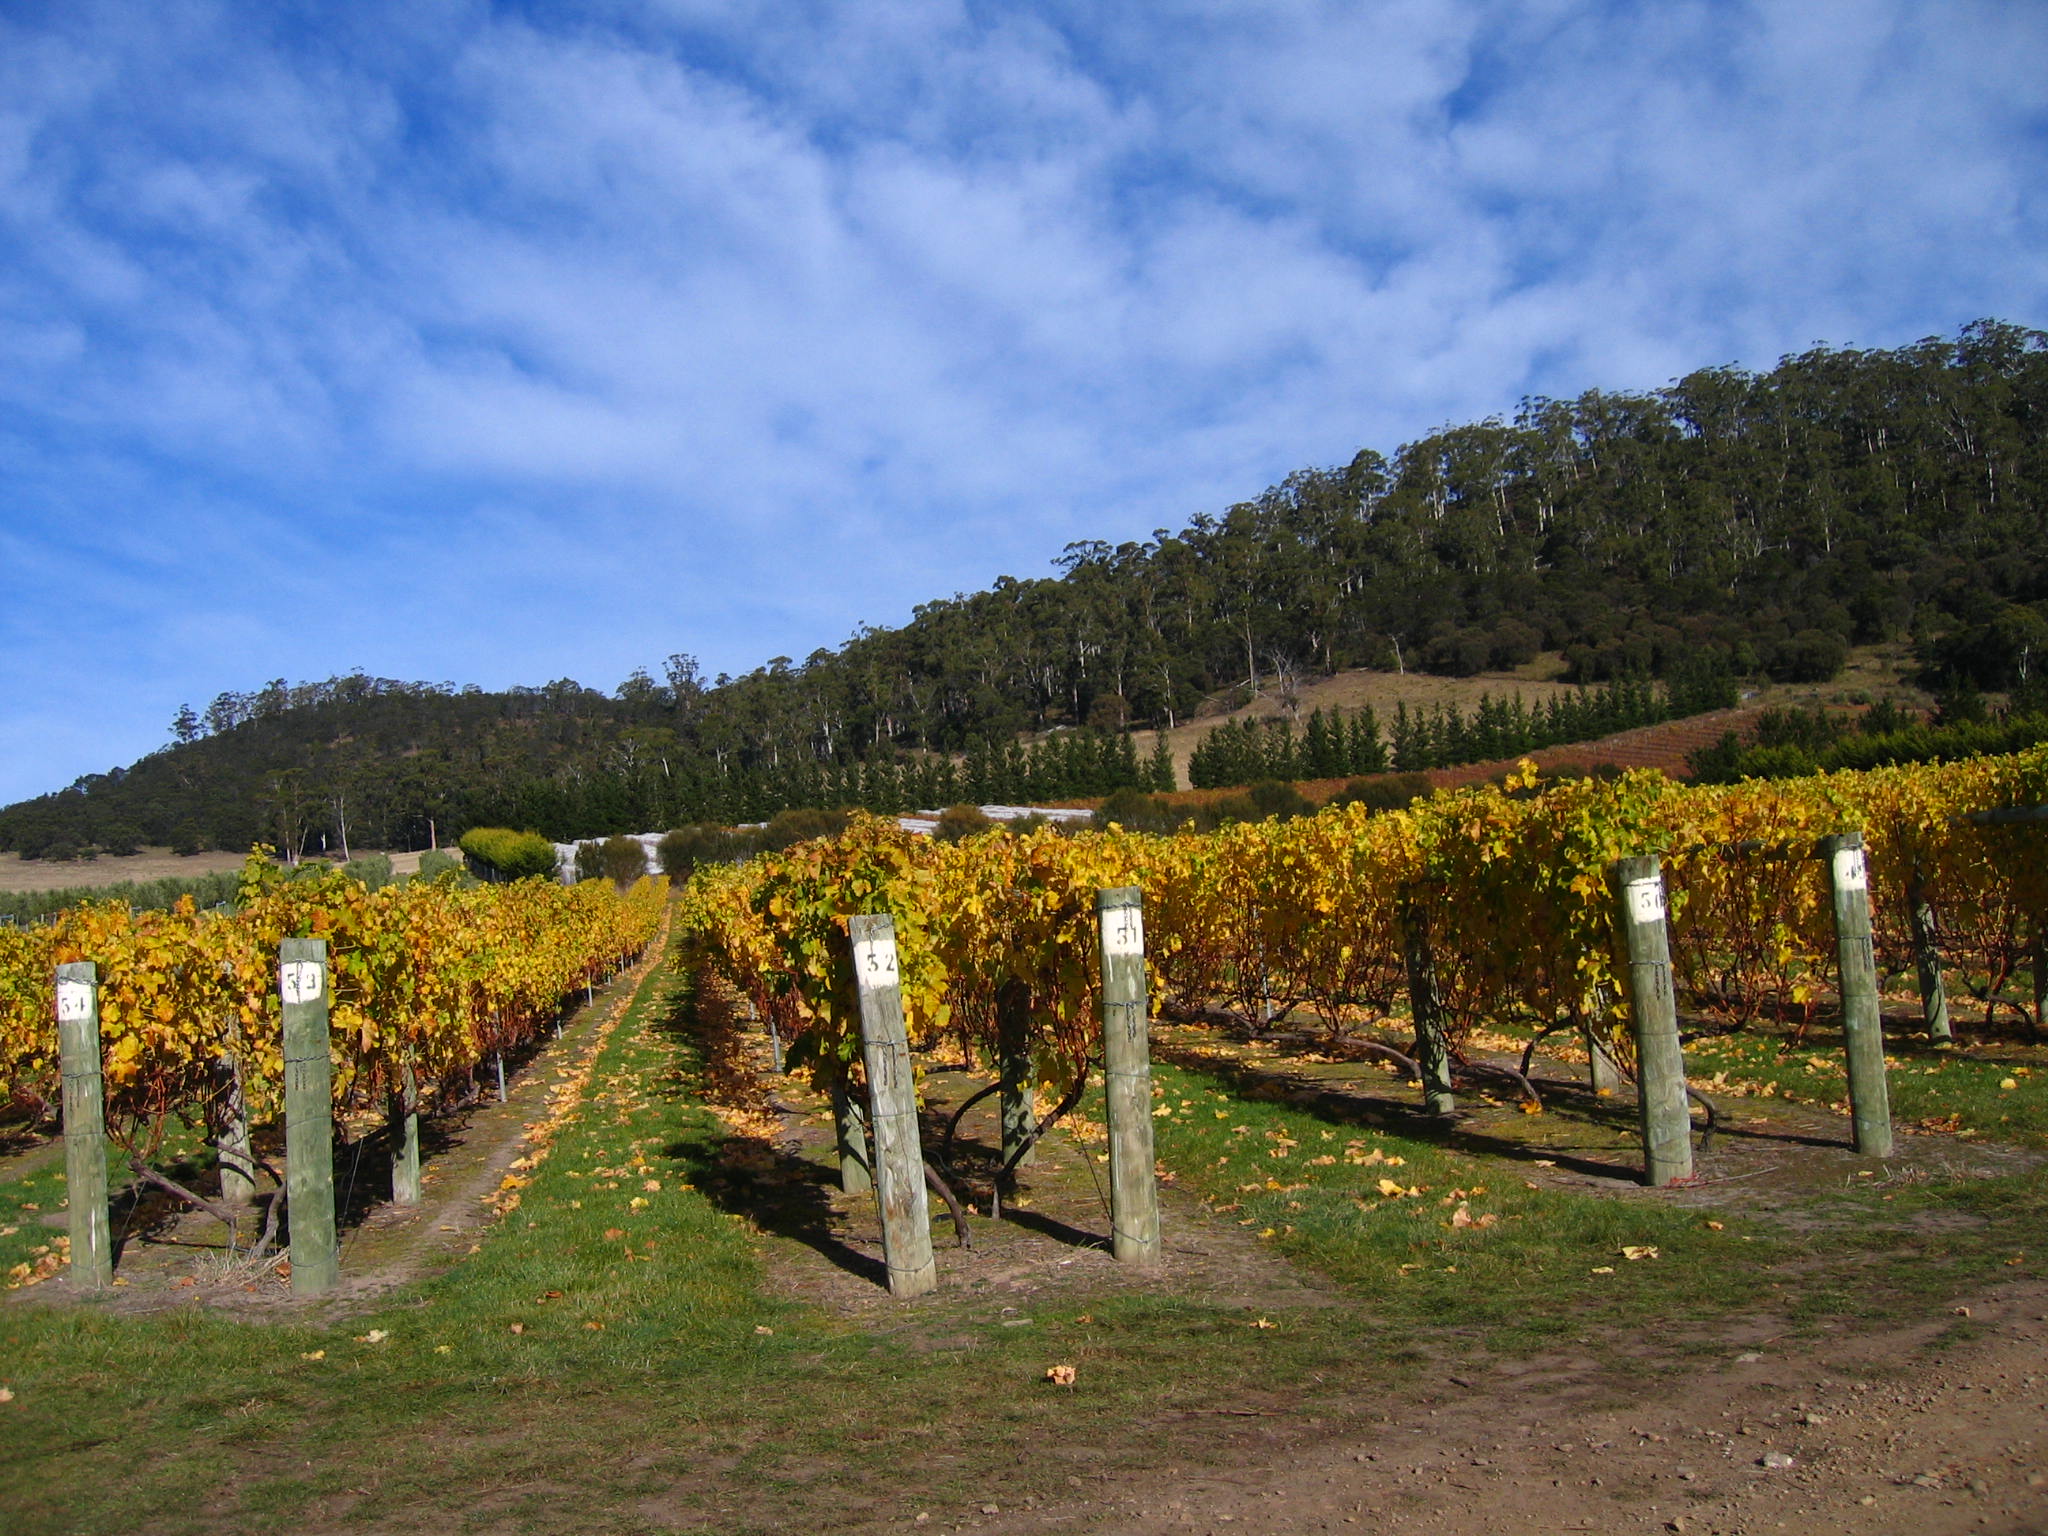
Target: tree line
1760,522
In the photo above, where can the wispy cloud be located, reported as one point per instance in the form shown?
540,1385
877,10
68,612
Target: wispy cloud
415,336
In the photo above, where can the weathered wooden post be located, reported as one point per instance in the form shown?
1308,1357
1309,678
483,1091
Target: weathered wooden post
1425,1002
1927,958
1127,1077
850,1131
1862,1021
899,1151
405,1138
1013,1067
85,1126
308,1116
1653,1020
232,1150
1602,1075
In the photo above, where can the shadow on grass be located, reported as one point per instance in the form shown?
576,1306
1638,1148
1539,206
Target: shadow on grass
975,1163
768,1182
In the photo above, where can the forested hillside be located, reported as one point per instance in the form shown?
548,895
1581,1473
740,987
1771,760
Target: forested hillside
1730,524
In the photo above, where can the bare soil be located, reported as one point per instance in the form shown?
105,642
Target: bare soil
1934,1430
19,876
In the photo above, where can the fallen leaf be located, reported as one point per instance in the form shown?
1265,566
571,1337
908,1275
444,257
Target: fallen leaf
1603,1269
318,1354
6,1394
444,1349
519,1327
1262,1323
1634,1251
1060,1375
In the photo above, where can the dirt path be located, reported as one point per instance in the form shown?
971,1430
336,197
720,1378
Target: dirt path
1919,1434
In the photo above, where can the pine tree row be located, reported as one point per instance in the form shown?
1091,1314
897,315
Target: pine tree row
1333,745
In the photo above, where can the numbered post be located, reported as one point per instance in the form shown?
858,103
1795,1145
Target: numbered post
1127,1077
1653,1019
1425,1002
85,1126
1013,1067
899,1152
308,1116
1862,1021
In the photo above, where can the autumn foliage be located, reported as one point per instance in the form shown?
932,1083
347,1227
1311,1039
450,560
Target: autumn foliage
1513,879
427,979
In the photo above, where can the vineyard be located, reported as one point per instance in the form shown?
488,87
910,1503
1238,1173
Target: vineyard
1510,882
429,980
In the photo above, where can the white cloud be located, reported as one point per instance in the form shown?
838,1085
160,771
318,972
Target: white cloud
790,320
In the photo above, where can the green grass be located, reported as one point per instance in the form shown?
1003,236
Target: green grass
703,1399
1991,1088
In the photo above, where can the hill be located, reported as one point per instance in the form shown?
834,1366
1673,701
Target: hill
1730,524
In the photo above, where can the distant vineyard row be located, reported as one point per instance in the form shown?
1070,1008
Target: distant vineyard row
429,979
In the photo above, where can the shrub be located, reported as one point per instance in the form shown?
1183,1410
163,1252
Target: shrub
1384,791
1136,811
961,821
501,854
372,869
682,850
589,860
787,828
437,862
120,839
622,859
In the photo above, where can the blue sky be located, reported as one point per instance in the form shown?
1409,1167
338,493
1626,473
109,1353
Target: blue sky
503,343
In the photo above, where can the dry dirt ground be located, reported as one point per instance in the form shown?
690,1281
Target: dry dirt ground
19,875
1914,1434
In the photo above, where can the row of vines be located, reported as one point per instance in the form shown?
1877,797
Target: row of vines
1511,880
428,980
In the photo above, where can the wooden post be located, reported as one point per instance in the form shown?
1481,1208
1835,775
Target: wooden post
1013,1066
308,1116
1425,1003
1927,959
1602,1076
1862,1022
1653,1019
85,1126
850,1130
232,1151
899,1150
405,1139
1127,1077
